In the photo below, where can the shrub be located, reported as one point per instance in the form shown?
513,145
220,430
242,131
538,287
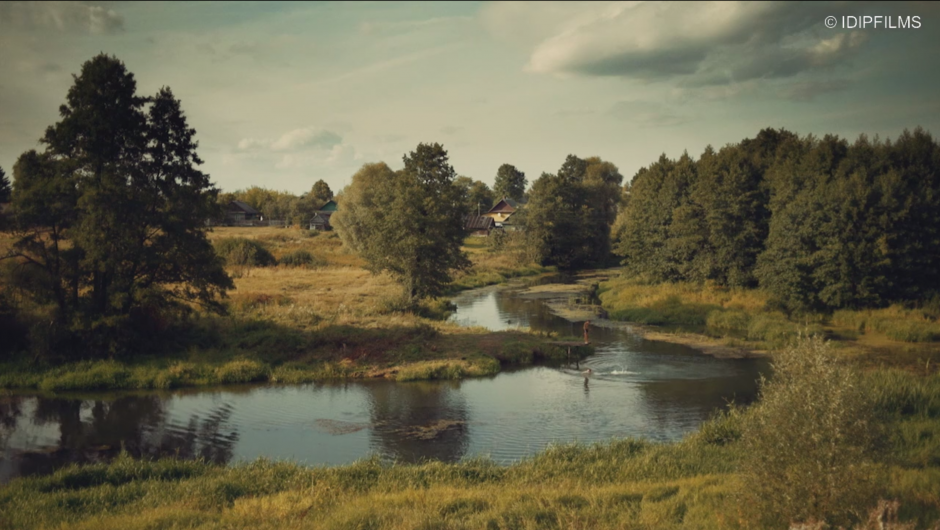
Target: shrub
300,258
809,442
243,251
731,322
241,371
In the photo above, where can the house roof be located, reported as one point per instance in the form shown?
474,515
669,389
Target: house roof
478,222
504,206
240,206
320,219
330,206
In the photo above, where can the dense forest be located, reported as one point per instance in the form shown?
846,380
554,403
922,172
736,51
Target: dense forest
820,223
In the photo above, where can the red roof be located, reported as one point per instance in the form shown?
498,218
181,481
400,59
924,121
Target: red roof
504,206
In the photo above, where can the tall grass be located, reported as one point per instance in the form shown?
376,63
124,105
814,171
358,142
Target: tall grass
896,322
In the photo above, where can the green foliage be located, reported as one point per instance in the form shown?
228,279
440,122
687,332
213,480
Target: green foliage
409,223
113,212
300,258
241,371
243,251
818,223
510,183
478,197
568,217
5,188
810,443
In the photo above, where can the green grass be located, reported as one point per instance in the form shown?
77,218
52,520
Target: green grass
700,482
746,316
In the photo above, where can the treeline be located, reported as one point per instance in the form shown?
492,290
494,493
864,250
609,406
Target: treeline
298,209
819,223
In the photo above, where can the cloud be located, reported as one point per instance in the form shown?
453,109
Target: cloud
808,90
296,140
647,114
61,16
694,44
451,130
387,26
306,138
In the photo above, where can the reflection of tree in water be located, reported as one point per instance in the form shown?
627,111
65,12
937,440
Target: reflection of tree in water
414,421
10,412
138,424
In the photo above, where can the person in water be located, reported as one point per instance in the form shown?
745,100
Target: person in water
587,325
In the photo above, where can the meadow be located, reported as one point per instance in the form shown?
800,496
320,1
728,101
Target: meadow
894,336
303,309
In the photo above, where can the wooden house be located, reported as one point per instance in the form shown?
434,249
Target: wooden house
321,219
239,213
479,225
502,211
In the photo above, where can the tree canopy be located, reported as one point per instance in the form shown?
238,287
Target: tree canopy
408,223
112,214
569,214
820,223
510,183
478,197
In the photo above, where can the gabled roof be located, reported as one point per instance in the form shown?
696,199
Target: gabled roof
320,219
505,205
330,206
478,222
240,206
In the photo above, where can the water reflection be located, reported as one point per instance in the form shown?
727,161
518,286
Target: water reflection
71,430
638,388
420,420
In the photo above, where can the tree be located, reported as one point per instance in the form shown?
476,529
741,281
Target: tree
408,223
478,197
5,190
569,215
320,193
113,212
510,183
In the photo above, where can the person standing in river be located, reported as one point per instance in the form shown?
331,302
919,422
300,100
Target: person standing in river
587,325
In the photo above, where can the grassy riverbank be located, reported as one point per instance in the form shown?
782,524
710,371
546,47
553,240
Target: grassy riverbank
326,318
701,482
896,336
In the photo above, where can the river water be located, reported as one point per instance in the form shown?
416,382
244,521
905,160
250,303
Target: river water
639,388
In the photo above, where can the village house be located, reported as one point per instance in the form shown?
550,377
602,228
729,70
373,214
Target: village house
321,219
241,214
479,225
502,211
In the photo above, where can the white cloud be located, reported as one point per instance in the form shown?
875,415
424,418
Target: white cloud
296,140
695,44
305,138
61,16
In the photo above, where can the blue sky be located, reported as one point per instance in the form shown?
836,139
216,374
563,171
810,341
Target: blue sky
283,94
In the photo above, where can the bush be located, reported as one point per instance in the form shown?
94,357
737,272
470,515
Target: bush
243,251
241,371
300,258
809,443
727,322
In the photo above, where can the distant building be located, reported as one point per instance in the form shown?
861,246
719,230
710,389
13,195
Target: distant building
479,225
240,213
321,219
502,211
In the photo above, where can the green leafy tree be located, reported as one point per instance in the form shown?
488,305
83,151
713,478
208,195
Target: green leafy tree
478,197
408,223
320,192
510,183
569,215
5,190
113,212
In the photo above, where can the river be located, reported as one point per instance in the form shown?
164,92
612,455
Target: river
640,388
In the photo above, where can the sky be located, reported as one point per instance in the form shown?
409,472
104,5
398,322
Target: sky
284,94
